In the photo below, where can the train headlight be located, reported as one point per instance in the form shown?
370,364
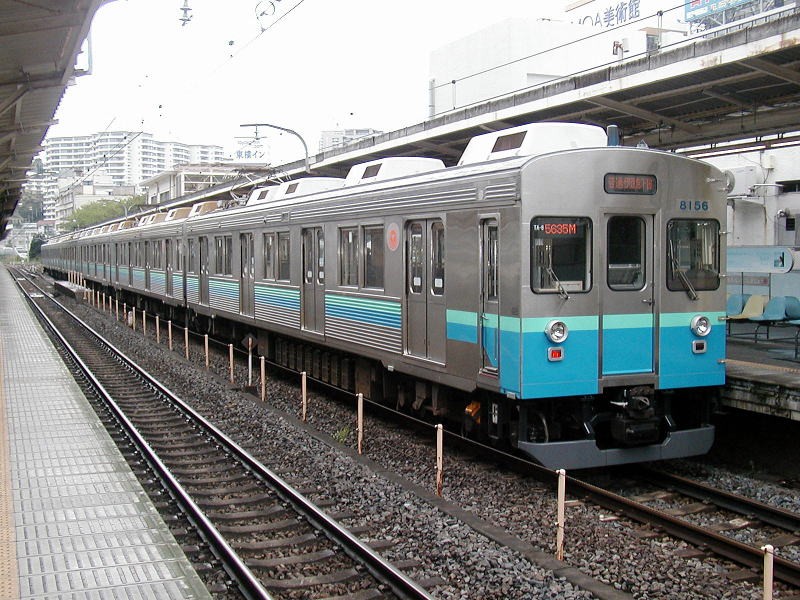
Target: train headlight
556,331
701,326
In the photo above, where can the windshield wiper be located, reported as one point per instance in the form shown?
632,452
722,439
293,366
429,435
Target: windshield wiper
561,290
687,285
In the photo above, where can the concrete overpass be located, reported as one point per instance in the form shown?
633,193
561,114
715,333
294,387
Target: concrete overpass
737,83
733,84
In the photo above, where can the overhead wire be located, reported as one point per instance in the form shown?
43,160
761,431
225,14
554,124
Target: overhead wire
136,134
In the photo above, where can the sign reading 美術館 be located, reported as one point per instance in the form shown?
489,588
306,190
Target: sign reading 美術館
614,13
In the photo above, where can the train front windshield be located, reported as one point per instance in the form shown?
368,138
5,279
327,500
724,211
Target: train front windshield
692,255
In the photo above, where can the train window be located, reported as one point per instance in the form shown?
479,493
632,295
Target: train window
416,258
373,257
308,256
224,255
348,256
168,254
626,254
192,252
371,171
178,263
157,256
283,256
509,142
491,250
437,260
269,256
561,255
692,255
320,257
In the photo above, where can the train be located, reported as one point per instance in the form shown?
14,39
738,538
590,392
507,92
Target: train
554,292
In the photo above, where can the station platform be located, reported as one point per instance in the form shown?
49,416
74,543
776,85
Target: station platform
763,376
74,521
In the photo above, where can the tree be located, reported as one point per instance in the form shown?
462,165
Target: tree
30,206
36,247
101,211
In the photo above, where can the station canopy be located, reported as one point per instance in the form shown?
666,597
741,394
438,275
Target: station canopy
39,44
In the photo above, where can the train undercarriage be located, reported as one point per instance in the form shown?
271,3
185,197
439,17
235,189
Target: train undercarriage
621,425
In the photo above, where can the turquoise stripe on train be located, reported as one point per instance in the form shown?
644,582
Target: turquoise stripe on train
277,297
680,367
526,371
138,277
628,344
462,326
157,278
385,313
576,374
534,376
228,288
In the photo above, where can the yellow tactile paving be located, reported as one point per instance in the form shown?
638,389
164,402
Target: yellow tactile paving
9,577
762,366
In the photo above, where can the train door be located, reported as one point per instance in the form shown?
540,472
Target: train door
203,269
168,266
148,261
117,258
130,261
426,317
490,295
313,279
247,293
627,321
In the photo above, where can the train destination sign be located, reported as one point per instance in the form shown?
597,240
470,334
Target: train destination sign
558,227
629,183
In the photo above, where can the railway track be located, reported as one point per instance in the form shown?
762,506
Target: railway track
272,540
649,508
671,503
674,503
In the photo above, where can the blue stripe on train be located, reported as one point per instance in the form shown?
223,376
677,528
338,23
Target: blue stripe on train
526,371
680,367
364,310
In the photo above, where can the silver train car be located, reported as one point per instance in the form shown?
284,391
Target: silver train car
550,292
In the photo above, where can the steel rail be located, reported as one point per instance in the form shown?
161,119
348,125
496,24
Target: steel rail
400,584
786,571
246,580
721,545
738,552
765,513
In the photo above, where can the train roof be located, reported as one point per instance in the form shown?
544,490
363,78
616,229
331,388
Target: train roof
532,140
296,187
499,151
391,167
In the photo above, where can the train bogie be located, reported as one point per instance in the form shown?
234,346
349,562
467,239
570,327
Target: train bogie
565,302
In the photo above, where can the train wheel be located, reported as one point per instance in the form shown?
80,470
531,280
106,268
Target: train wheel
538,432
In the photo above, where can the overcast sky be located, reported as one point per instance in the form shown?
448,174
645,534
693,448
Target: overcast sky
321,64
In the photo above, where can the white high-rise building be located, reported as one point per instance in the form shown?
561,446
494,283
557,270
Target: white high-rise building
128,157
120,158
340,137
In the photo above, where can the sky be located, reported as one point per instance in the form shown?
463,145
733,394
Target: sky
313,65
